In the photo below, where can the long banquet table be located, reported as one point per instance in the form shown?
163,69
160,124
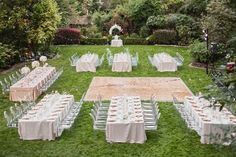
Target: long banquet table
28,88
87,62
164,62
214,126
122,62
42,121
125,122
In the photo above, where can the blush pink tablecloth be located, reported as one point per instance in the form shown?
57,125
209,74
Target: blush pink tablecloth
164,62
42,121
125,122
122,63
87,62
28,88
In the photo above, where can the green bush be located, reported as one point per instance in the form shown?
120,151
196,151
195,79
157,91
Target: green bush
135,41
198,51
8,56
232,43
144,32
156,22
134,35
93,41
163,36
151,39
188,29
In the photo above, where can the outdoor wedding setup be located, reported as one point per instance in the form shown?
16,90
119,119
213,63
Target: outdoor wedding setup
120,78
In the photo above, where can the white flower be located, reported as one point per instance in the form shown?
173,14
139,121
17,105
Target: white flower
227,56
45,65
43,58
25,70
35,64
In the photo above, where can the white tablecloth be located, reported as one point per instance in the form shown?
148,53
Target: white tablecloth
164,62
27,89
42,121
87,62
125,122
214,127
116,43
122,63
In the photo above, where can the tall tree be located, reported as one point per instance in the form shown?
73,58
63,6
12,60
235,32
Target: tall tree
220,21
27,23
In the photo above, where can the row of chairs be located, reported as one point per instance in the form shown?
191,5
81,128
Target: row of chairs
99,115
74,59
185,116
134,58
16,112
151,114
100,61
10,80
48,84
68,121
109,57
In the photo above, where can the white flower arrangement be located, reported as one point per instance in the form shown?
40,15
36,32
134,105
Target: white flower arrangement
43,59
25,70
35,64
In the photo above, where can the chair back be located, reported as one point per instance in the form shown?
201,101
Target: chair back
13,112
8,118
93,118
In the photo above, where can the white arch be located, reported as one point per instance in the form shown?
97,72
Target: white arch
115,26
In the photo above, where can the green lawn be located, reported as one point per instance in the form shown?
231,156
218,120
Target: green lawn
172,138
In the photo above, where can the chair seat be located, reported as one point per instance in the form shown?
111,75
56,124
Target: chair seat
150,127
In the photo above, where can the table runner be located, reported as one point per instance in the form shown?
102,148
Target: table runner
125,122
164,62
87,62
122,63
42,121
28,88
214,126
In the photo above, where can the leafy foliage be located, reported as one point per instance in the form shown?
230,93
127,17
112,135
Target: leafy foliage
220,21
7,55
195,8
28,24
164,36
199,51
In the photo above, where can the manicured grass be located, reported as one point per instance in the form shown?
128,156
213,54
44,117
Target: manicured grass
172,138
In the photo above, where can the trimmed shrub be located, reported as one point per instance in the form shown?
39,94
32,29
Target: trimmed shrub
8,56
198,51
163,36
66,36
135,41
134,35
93,41
144,32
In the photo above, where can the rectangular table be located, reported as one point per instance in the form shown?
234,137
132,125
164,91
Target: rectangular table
214,126
116,43
42,121
87,62
164,62
122,63
28,88
125,122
